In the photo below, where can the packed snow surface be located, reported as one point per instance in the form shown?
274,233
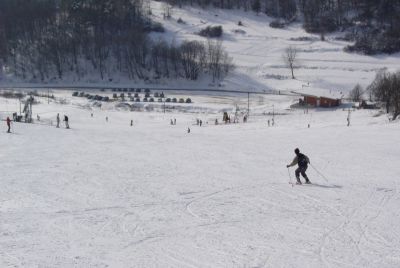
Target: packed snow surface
105,194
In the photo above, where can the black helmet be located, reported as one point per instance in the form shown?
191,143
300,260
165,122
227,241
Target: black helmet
297,151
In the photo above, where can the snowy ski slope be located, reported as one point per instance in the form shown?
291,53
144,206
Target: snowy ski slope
104,194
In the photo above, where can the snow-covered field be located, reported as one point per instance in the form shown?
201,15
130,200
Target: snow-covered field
105,194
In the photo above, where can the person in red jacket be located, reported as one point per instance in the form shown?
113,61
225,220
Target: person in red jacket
8,124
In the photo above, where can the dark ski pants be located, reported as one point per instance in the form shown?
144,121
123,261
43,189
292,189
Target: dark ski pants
302,171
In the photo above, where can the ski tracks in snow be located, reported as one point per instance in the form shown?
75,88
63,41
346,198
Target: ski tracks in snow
353,232
189,204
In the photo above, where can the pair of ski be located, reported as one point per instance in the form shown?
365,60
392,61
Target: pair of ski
299,184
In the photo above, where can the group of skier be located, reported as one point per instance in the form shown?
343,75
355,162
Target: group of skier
300,159
9,121
65,121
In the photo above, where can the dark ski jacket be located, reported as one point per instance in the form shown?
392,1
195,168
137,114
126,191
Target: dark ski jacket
300,159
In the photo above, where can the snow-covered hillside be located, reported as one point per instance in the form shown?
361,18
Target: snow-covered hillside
105,194
257,51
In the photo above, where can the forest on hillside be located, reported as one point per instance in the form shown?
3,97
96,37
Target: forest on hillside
45,40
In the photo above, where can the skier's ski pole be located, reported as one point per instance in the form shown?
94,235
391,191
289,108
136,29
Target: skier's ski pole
290,177
322,175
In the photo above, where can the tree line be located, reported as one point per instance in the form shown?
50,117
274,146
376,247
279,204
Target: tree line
44,40
385,89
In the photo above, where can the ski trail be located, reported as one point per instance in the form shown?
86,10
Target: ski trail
189,204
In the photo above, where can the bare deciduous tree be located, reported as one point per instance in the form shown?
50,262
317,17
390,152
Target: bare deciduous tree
386,88
290,58
193,58
356,93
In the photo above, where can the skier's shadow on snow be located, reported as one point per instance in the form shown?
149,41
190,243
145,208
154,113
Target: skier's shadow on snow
332,186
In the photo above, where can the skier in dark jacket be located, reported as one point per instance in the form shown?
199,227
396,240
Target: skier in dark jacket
302,161
58,120
66,121
8,124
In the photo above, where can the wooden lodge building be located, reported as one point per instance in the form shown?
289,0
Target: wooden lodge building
316,101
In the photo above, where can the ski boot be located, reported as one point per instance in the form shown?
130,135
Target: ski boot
298,182
308,181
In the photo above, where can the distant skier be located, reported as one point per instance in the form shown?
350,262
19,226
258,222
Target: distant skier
188,130
58,120
66,121
131,123
106,118
201,122
91,114
303,161
8,124
174,121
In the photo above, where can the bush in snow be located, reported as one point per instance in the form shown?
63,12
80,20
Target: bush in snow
212,31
